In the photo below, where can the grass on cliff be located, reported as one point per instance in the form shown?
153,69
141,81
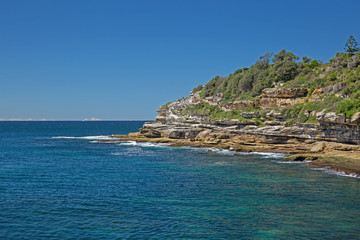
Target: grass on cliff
302,112
216,113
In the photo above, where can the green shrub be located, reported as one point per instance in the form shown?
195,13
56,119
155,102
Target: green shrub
314,63
349,107
198,88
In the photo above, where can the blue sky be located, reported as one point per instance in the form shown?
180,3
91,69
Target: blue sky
121,60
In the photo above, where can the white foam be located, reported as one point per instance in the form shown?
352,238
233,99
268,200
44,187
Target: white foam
339,173
224,152
289,162
210,150
270,155
128,143
143,144
100,137
222,163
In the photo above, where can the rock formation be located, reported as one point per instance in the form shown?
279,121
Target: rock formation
173,122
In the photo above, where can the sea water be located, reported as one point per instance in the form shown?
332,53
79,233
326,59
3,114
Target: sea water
57,181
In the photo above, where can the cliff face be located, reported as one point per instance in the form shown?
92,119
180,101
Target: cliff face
284,102
175,121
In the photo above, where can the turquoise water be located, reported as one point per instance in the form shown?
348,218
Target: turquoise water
56,184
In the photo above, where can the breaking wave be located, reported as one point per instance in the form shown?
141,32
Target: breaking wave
143,144
339,173
100,137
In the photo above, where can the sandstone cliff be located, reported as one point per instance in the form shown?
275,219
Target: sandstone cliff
176,122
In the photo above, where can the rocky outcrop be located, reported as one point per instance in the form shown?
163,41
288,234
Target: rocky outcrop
354,62
173,125
284,92
339,132
174,122
330,117
334,88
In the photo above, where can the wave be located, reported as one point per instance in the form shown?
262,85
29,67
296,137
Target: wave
200,149
100,137
339,173
270,155
290,162
143,144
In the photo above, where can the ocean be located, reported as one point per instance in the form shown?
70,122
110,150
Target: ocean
57,181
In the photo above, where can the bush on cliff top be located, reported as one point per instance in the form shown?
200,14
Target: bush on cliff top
263,74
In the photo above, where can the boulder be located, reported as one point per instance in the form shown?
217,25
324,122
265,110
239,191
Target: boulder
203,134
320,115
355,118
332,117
318,147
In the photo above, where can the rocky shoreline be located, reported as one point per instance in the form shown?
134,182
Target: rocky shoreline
332,141
339,157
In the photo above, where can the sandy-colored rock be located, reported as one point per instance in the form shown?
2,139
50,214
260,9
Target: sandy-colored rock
284,92
317,91
330,117
203,134
355,118
318,147
134,135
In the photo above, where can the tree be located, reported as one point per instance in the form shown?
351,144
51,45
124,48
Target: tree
285,65
351,46
306,59
263,62
314,63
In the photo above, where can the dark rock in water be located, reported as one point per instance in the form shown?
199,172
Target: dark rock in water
299,158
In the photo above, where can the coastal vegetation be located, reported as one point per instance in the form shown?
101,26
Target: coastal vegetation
333,86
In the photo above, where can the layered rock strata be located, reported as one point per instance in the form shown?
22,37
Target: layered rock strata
172,123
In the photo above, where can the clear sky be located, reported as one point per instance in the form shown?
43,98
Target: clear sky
121,60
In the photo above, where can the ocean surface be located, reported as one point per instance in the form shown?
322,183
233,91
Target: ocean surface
57,181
